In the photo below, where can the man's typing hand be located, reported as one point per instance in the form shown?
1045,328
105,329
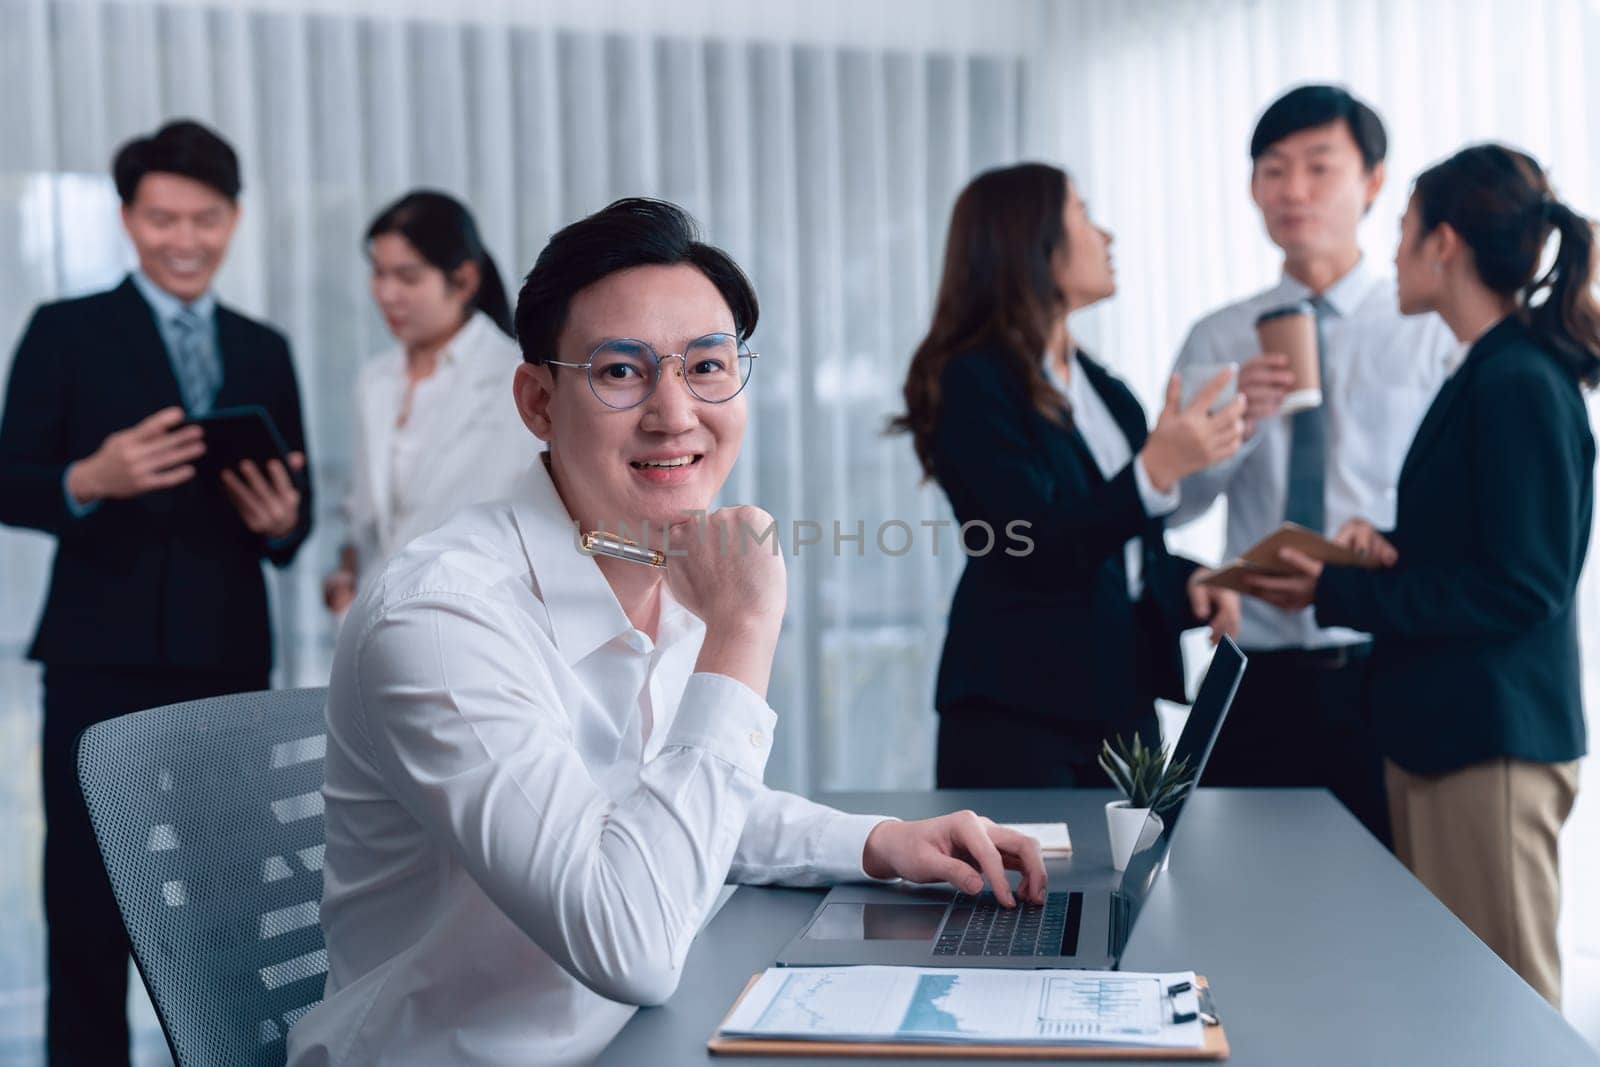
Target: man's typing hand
963,848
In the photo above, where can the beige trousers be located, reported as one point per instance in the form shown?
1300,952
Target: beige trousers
1483,840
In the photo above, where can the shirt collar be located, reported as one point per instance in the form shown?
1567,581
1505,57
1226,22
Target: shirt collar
1344,295
1070,386
460,349
462,341
167,306
584,612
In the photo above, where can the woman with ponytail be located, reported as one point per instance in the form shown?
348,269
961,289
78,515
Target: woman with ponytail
1476,684
436,428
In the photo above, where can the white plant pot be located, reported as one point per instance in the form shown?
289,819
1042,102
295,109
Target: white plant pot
1124,823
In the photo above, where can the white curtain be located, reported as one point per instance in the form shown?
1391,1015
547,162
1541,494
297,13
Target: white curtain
824,164
822,144
1157,100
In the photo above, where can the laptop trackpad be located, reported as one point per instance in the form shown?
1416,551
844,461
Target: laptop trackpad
876,922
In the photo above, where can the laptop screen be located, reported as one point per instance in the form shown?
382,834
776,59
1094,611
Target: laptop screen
1194,744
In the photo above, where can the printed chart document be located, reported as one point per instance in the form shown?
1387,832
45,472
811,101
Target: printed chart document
954,1005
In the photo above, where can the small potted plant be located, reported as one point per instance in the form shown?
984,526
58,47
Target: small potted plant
1148,784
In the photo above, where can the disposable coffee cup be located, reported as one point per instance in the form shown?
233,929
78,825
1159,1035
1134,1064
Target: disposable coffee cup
1193,378
1291,331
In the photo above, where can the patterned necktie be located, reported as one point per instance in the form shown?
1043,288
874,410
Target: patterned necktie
199,374
1305,501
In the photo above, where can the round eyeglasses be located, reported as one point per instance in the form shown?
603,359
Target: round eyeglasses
624,372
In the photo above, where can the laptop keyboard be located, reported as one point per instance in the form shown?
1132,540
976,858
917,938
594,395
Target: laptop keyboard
980,926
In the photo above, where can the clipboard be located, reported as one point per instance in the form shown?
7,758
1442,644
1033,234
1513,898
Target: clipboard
1262,558
1215,1048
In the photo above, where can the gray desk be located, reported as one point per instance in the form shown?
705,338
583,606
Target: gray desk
1322,949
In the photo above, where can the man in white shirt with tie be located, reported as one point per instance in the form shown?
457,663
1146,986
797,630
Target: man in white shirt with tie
1318,164
542,766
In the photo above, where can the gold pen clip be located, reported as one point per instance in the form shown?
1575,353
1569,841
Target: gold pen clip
600,543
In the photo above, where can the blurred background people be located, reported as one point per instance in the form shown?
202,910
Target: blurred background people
1317,165
1476,671
156,594
1056,644
435,425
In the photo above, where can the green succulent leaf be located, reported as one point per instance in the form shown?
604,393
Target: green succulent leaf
1145,775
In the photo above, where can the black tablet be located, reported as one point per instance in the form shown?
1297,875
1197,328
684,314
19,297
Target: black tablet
233,435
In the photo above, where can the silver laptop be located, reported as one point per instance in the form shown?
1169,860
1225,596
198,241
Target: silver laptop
1082,926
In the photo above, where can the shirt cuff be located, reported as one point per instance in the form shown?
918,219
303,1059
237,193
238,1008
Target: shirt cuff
75,509
1156,503
842,846
725,718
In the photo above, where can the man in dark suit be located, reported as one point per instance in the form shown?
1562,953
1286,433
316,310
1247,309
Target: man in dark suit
156,594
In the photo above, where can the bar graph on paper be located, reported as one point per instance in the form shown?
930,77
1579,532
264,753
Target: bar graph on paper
1089,1007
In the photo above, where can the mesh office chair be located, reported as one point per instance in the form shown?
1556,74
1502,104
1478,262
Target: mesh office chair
209,819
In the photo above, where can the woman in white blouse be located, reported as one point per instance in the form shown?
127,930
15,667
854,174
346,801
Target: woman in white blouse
436,428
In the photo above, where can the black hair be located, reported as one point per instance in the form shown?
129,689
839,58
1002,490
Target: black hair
444,234
1500,203
633,232
1310,106
180,147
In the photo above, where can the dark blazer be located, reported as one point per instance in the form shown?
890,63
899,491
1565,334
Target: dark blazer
1052,632
1475,651
172,578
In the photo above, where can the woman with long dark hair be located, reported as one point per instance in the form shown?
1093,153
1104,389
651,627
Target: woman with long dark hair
435,425
1069,633
1476,686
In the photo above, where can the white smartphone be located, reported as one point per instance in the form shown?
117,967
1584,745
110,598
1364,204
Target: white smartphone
1193,378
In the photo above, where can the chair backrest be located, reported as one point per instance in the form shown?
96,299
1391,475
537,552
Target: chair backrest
209,818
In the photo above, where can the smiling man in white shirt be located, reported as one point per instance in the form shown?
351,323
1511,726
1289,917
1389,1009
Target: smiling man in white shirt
1317,165
542,766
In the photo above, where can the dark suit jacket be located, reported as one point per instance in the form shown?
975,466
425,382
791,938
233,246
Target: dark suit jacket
172,578
1052,633
1475,651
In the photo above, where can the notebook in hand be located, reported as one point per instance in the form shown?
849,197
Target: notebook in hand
1263,558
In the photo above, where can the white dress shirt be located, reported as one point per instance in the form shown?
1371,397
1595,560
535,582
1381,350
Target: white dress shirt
530,804
1380,372
1111,451
462,441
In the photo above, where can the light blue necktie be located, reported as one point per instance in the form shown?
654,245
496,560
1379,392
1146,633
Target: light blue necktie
195,355
1306,502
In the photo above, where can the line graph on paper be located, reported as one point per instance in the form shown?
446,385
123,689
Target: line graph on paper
803,1002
